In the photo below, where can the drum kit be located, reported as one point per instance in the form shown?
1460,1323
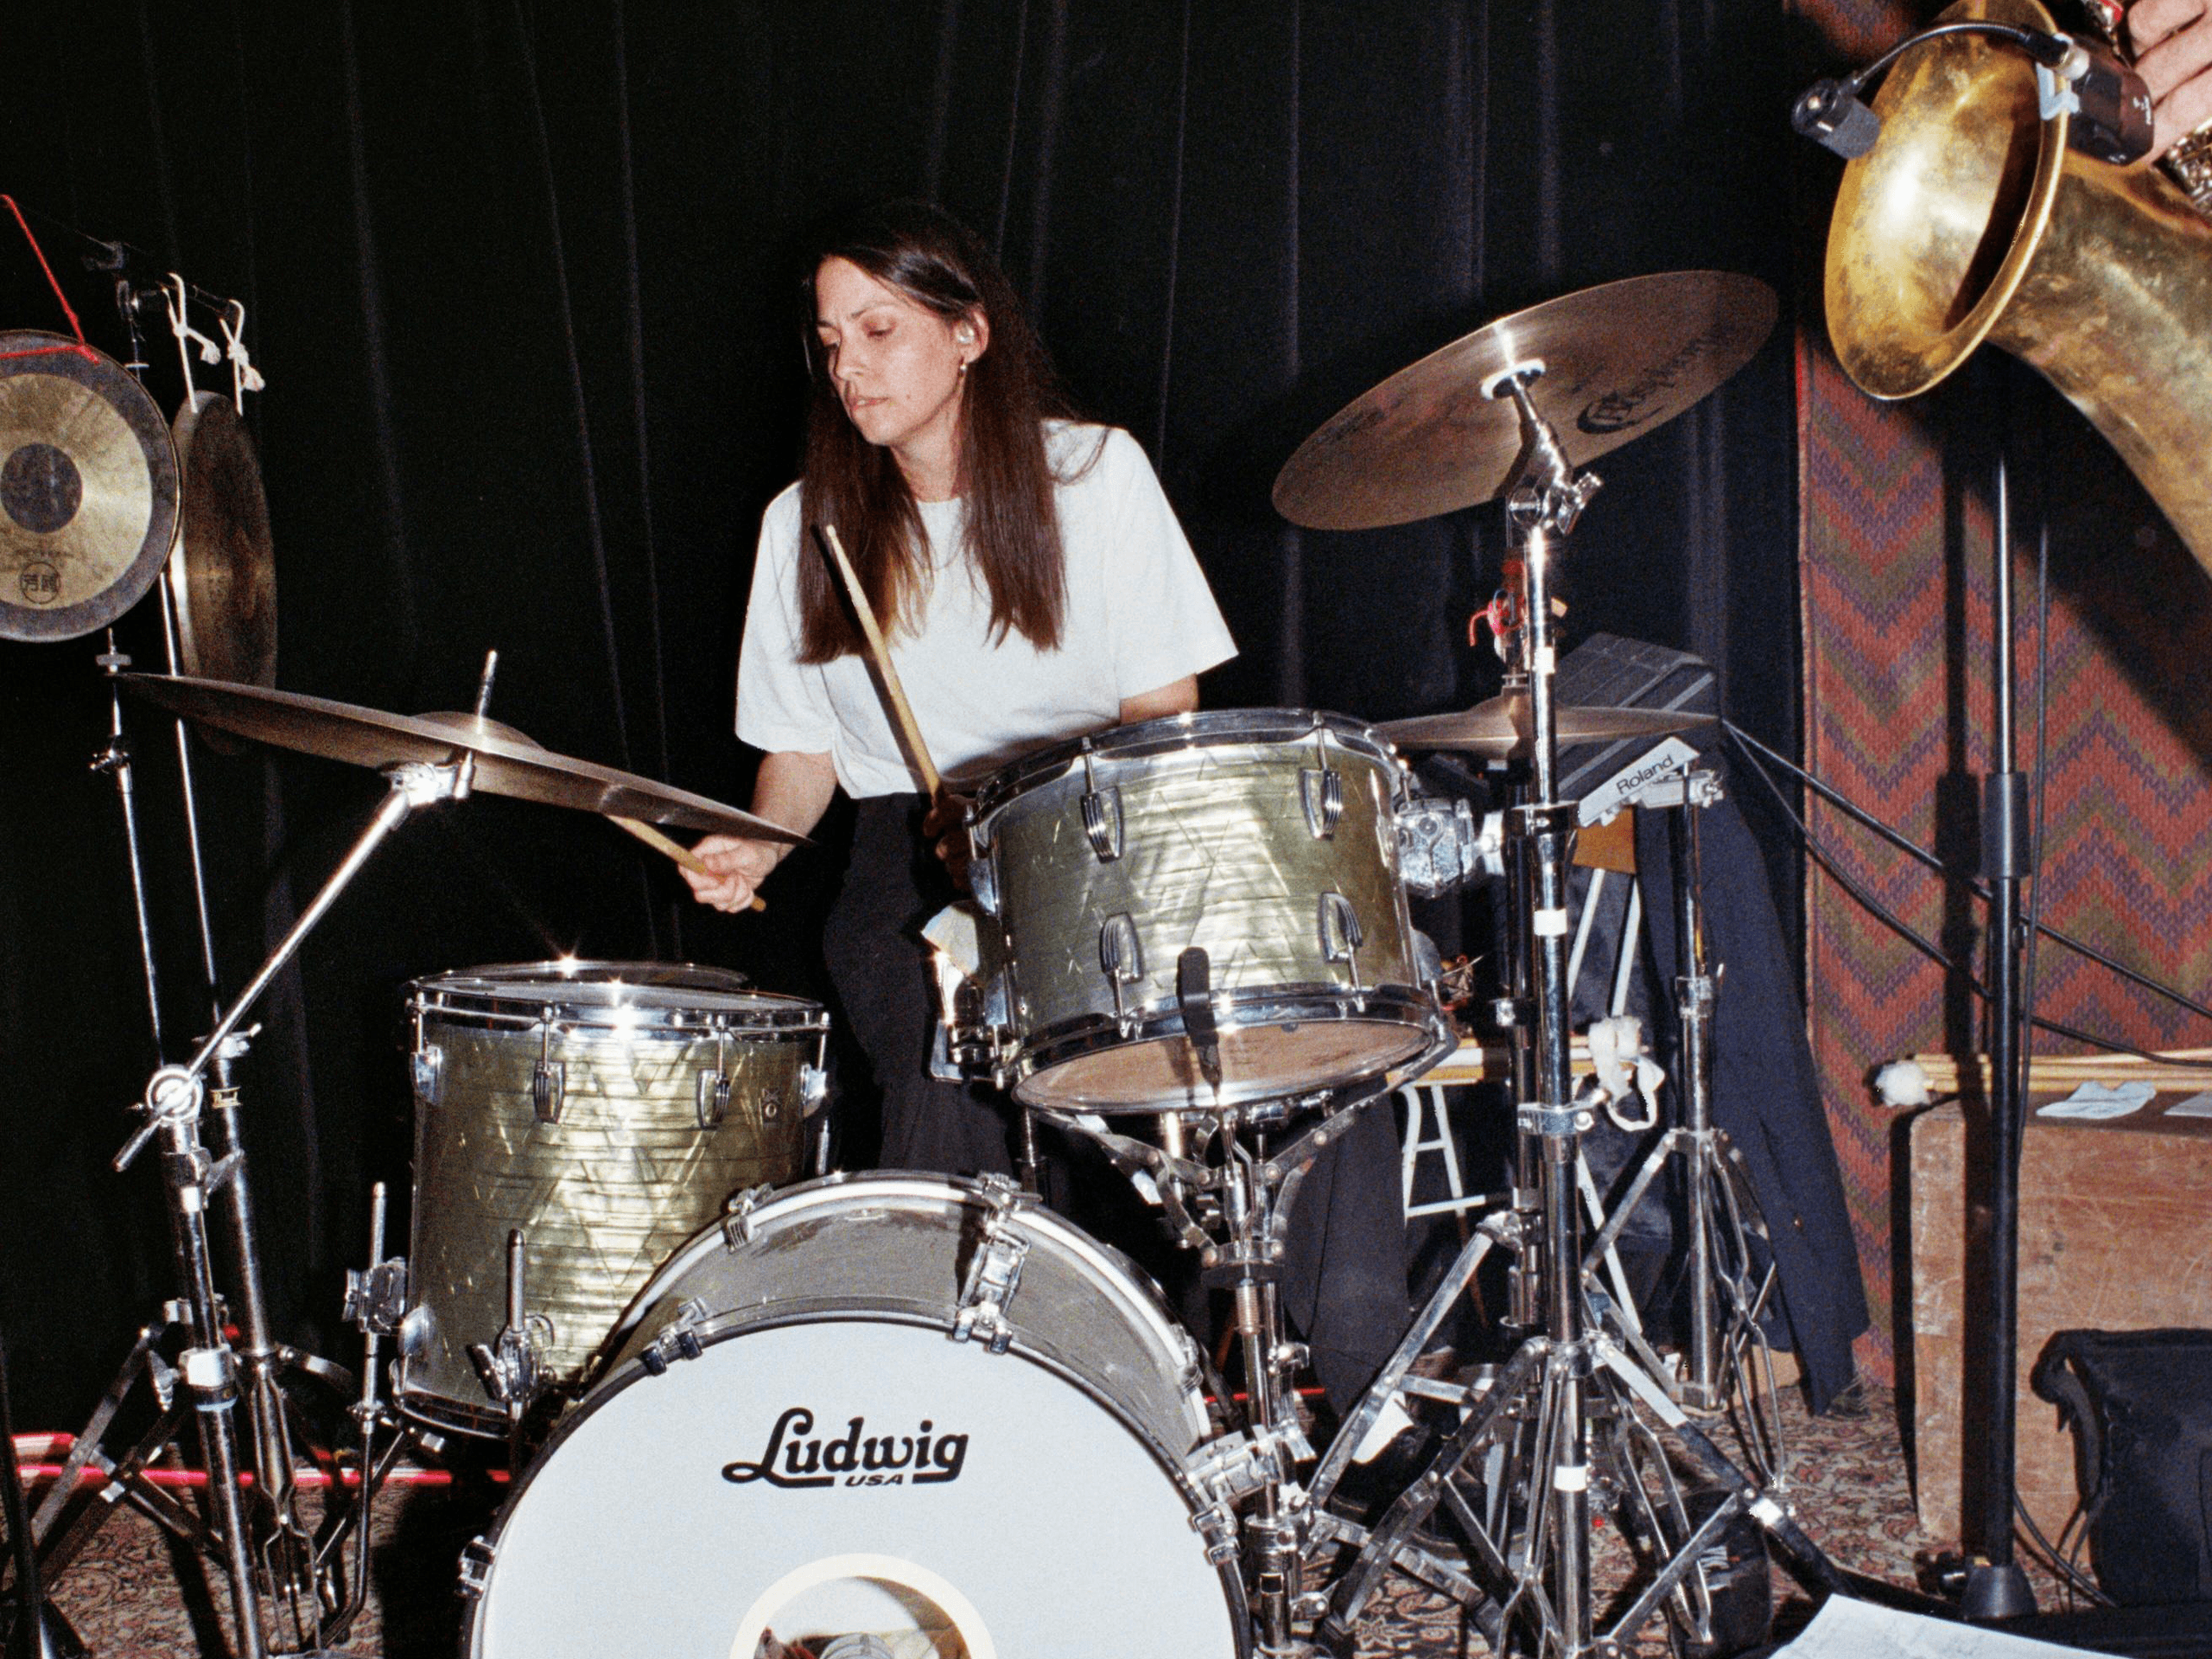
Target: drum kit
748,1413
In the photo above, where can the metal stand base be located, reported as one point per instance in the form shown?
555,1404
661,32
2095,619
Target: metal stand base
1995,1591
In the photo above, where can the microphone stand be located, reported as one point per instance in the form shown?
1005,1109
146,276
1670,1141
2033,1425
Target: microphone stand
1995,1586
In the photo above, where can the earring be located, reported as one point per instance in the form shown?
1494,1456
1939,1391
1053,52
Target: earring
964,366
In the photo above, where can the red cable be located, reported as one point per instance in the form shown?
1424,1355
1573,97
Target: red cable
80,348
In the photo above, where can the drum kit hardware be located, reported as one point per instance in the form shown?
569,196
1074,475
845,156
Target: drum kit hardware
923,1405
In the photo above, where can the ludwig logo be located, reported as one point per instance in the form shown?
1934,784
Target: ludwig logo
855,1458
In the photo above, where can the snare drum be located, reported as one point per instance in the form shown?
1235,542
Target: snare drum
891,1405
1268,838
607,1110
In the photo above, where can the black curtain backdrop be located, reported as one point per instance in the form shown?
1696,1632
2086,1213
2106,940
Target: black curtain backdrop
521,277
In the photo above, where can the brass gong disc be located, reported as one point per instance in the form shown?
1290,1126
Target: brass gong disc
88,489
223,574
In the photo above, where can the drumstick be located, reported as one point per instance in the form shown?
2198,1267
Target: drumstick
676,850
880,654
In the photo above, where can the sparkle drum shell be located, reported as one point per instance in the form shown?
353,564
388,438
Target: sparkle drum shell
1267,837
606,1110
831,1462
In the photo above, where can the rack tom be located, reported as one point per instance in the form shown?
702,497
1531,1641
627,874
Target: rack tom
1266,837
607,1111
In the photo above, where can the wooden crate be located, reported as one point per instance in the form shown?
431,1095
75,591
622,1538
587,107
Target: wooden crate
2115,1235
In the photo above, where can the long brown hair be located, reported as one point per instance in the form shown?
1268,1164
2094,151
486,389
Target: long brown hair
1006,481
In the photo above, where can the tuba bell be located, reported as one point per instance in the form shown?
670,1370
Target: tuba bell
1972,219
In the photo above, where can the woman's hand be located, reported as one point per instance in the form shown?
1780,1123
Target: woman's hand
945,823
2173,53
737,865
792,790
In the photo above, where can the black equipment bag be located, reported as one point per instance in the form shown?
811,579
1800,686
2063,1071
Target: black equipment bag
2140,1403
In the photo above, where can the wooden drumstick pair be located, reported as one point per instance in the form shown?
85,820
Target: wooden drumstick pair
895,694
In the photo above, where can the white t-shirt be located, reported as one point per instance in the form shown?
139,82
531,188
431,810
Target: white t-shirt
1139,616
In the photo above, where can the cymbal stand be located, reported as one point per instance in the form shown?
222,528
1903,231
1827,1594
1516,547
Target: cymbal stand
287,1544
173,1106
1514,1013
1558,1426
1728,1354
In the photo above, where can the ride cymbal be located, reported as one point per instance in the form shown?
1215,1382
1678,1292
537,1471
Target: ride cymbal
508,763
1620,359
88,489
1503,728
223,574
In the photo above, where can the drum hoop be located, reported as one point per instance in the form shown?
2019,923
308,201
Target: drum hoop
1200,729
684,996
1244,1010
713,1239
609,1386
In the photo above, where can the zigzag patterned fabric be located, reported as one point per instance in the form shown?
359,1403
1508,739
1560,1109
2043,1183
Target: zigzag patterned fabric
1894,562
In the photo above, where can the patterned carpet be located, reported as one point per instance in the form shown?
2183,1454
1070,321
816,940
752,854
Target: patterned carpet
129,1596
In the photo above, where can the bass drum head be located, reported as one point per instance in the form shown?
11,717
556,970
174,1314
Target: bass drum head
841,1476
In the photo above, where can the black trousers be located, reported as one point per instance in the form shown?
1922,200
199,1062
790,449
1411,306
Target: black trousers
1344,1270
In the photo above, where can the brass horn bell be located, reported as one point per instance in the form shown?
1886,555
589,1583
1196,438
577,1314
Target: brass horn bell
1972,220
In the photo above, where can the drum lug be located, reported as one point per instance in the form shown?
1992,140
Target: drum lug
546,1080
813,1088
375,1298
1121,953
548,1076
513,1369
712,1095
994,1270
427,1067
476,1560
1321,792
1216,1524
737,1216
1340,935
1102,822
679,1340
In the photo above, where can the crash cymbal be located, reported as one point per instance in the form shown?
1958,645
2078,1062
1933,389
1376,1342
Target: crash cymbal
1500,730
1618,360
223,574
508,763
88,489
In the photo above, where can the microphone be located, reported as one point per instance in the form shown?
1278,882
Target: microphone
1830,113
2111,107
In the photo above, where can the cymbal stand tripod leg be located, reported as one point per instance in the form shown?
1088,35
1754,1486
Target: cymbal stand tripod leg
1535,1426
173,1106
1725,1338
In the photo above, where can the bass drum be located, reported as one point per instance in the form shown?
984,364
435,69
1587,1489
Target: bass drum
806,1433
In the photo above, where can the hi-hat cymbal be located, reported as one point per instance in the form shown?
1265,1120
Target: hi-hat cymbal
223,574
1619,360
88,489
1503,727
508,763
